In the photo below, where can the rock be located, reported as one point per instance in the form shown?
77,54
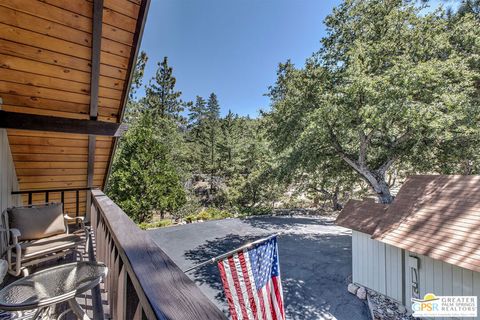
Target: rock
352,288
390,311
362,293
402,309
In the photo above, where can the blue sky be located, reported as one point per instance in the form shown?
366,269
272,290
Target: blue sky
232,47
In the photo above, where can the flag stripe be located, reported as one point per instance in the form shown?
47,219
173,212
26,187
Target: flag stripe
242,283
266,302
238,289
252,283
270,300
277,285
234,305
263,310
249,282
275,305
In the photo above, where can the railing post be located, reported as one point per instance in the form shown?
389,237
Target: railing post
77,201
97,304
122,293
132,300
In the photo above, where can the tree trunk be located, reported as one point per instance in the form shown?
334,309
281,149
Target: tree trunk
384,196
336,206
375,178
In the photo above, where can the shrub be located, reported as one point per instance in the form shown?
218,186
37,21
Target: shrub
156,224
203,215
190,218
209,214
256,211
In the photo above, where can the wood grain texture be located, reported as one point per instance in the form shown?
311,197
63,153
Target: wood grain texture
25,121
55,64
151,272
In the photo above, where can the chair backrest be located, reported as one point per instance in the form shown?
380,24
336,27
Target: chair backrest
4,233
37,221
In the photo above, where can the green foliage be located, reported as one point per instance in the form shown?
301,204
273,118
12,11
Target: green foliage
156,224
252,182
393,90
389,85
133,106
161,96
255,211
143,179
209,214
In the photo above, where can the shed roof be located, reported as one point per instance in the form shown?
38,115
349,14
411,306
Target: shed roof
362,216
437,216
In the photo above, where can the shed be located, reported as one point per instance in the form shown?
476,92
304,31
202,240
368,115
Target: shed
428,238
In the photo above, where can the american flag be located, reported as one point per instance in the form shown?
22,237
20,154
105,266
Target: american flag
251,280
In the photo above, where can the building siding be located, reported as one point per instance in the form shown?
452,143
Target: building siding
442,279
376,265
8,178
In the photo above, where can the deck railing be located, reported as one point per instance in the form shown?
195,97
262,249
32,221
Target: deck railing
71,205
143,282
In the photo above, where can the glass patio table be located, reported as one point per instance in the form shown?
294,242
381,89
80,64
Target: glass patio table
44,289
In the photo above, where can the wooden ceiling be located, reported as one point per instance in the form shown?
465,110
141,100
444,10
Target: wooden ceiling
69,59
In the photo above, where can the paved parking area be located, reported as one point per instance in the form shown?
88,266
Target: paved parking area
315,261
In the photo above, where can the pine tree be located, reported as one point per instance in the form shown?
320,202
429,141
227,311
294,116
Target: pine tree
144,178
162,97
134,105
228,144
196,135
212,127
197,117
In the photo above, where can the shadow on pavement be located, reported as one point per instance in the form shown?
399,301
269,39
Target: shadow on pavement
314,270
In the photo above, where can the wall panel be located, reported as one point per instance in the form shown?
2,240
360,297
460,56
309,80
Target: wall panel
8,178
376,265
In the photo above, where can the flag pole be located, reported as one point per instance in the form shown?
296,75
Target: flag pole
229,253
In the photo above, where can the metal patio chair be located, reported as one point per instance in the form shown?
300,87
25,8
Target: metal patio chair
38,233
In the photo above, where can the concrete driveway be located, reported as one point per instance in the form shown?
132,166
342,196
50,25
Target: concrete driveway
315,261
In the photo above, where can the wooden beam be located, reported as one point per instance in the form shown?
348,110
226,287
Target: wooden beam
137,40
96,46
97,22
26,121
91,159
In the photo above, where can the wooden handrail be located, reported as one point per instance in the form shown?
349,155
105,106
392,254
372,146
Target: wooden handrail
47,193
143,282
50,190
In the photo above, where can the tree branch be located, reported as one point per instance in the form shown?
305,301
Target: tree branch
364,144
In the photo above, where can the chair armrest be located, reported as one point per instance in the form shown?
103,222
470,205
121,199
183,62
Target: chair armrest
81,220
67,217
15,234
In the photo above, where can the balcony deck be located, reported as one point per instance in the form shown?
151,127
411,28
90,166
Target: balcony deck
142,281
85,300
